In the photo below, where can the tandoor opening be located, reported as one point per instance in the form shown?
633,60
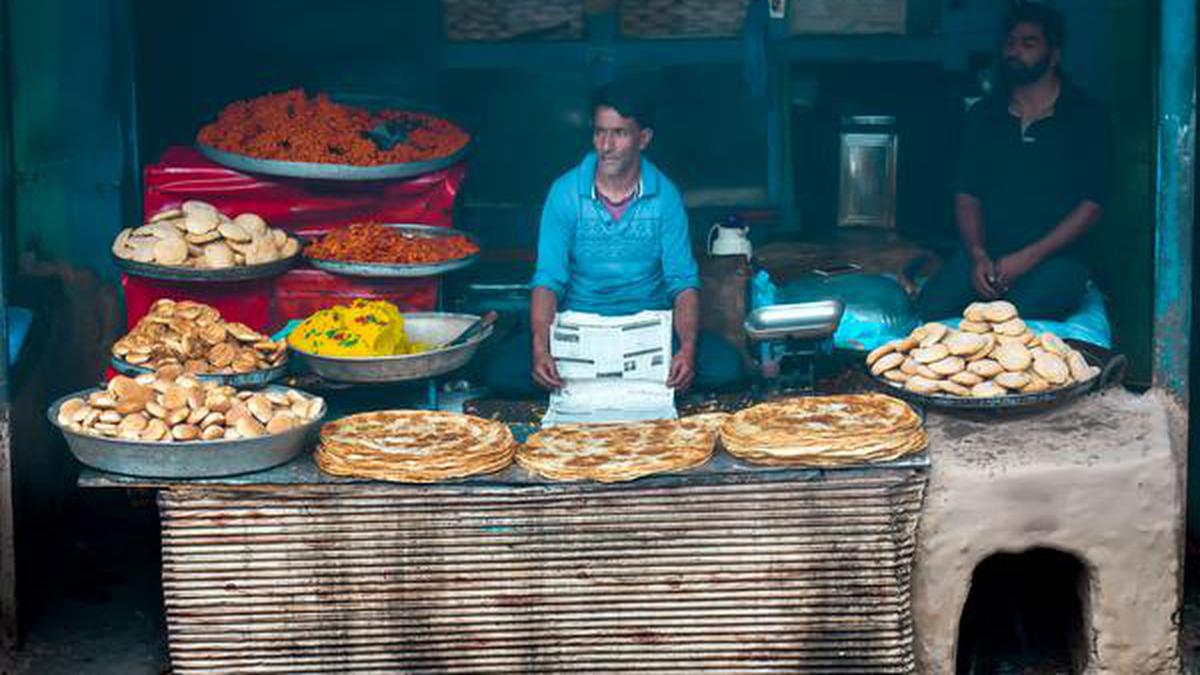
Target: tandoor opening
1027,614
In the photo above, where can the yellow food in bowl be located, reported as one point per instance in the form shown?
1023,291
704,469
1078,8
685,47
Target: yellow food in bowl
363,328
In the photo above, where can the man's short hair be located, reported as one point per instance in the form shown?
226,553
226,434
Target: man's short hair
1050,19
631,99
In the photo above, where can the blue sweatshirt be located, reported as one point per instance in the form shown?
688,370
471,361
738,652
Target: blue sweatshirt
595,264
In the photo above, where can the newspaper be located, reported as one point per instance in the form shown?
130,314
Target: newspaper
614,368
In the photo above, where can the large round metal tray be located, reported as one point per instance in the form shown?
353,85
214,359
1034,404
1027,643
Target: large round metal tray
431,327
1111,372
238,273
254,378
193,459
365,269
322,171
342,172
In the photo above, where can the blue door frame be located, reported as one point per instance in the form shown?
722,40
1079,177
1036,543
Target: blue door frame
1174,215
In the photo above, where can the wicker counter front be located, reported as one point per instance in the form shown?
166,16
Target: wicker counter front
725,567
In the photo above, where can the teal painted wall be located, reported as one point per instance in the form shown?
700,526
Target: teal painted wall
1122,247
70,89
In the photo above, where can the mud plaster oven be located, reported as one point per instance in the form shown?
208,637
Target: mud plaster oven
1100,481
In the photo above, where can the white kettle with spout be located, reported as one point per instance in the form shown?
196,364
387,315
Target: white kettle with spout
730,238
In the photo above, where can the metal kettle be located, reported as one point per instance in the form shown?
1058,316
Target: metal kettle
731,237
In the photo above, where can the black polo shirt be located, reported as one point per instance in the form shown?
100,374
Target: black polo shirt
1028,182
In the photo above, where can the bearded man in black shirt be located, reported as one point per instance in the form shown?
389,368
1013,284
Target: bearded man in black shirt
1030,182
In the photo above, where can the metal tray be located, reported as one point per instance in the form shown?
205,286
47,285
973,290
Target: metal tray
365,269
191,459
323,171
343,172
1111,372
237,273
432,327
804,320
253,379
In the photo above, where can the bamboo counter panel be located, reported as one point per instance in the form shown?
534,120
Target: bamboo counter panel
726,567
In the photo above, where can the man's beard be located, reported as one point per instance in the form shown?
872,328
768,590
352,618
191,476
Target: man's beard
1013,73
614,167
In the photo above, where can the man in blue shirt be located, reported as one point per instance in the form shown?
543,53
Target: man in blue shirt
614,241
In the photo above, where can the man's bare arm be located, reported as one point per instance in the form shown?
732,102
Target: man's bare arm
968,214
1068,231
543,305
686,318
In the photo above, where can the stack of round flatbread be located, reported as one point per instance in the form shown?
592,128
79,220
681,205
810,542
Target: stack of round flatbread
414,446
993,353
825,431
610,453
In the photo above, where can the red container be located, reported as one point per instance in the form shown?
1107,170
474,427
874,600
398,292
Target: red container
301,292
304,207
246,301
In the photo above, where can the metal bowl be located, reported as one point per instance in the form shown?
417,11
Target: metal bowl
191,459
366,269
236,273
252,379
431,327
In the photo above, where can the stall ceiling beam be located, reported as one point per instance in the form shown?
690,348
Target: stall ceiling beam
578,54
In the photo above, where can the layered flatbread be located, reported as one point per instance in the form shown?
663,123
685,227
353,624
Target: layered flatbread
414,446
825,431
619,452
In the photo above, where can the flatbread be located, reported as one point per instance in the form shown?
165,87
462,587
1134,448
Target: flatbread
965,344
976,312
932,333
610,453
825,431
988,389
414,446
886,348
999,311
886,363
921,384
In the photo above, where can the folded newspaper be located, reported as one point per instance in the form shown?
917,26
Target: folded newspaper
614,368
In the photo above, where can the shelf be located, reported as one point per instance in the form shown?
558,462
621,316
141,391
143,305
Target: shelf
684,51
860,48
575,54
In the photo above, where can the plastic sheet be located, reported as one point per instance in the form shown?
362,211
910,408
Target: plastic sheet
304,207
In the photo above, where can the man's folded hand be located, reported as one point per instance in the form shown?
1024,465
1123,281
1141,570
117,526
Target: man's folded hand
544,372
683,370
983,278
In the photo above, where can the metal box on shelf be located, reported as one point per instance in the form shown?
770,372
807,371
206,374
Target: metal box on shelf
867,148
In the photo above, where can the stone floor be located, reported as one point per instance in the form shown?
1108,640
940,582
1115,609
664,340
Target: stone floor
94,606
